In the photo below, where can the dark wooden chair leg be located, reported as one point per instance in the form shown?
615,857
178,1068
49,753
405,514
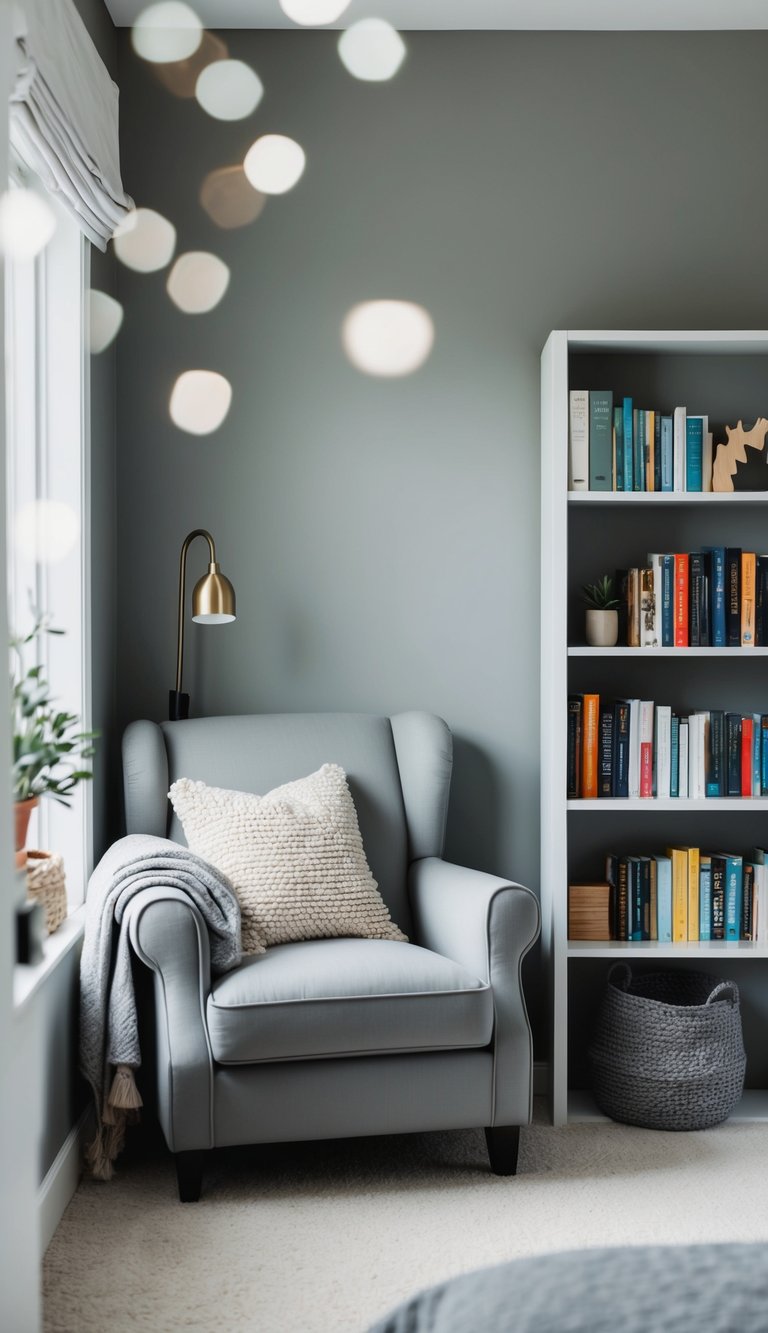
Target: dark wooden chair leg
189,1173
503,1142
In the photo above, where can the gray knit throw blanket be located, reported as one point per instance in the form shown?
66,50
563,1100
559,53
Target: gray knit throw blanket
109,1038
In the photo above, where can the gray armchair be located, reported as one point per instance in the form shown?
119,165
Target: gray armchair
345,1037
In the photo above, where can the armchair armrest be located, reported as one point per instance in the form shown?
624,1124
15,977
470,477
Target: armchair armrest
169,935
486,924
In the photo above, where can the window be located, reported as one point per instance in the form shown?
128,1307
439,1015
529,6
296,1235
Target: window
47,490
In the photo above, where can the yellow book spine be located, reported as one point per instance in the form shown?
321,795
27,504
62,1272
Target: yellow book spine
651,431
748,577
693,893
679,895
591,725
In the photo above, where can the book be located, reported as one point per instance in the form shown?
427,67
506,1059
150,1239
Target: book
667,456
718,898
578,453
681,600
747,900
667,601
653,922
716,764
761,602
733,596
633,766
620,774
674,756
705,897
679,863
746,756
638,476
732,872
649,635
635,889
764,754
575,713
694,453
696,596
679,434
600,440
650,450
682,785
748,571
663,747
698,725
622,900
663,899
656,452
618,449
590,727
733,754
757,725
646,748
629,448
605,753
717,597
633,608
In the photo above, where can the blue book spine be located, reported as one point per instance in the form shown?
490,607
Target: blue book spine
674,757
719,632
668,601
705,900
667,455
764,754
664,899
636,899
694,453
733,889
600,440
618,440
628,441
638,483
756,754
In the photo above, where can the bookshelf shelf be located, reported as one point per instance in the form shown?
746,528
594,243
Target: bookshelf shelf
667,498
712,805
753,1107
723,373
631,654
651,949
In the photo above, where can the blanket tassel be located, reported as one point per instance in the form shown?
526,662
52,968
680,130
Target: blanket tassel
124,1095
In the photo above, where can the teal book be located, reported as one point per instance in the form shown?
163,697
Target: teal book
705,898
638,471
600,440
732,868
628,443
667,455
618,440
694,453
663,899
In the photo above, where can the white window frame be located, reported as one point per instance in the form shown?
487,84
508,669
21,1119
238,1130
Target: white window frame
56,417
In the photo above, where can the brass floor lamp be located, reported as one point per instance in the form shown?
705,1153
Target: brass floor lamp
213,603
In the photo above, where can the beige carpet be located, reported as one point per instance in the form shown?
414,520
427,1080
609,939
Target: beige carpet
324,1238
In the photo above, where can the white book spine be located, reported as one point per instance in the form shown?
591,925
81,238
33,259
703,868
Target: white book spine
663,750
578,454
646,747
633,774
707,461
679,447
650,615
683,778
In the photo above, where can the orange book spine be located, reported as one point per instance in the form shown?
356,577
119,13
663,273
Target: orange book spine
748,576
746,756
681,601
590,727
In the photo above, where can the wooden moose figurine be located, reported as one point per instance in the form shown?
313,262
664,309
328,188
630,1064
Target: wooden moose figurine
728,456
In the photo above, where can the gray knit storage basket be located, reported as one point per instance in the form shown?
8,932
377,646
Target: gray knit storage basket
667,1050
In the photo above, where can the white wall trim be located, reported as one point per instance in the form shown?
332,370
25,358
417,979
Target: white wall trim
61,1180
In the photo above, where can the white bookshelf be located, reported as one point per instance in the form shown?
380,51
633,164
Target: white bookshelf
714,372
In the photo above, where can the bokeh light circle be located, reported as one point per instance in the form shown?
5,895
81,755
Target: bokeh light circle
166,32
145,240
229,90
372,50
27,224
200,401
197,282
388,338
274,163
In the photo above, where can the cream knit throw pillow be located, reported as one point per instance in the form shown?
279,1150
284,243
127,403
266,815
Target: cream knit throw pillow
294,857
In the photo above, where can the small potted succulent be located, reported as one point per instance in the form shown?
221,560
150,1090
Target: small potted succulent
602,628
47,747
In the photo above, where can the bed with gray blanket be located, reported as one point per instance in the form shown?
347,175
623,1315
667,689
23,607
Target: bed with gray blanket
648,1289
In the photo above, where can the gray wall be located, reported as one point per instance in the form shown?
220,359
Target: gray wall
383,536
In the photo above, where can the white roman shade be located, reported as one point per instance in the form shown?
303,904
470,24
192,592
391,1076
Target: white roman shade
64,115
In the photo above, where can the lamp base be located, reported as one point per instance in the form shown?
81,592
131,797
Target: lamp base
178,706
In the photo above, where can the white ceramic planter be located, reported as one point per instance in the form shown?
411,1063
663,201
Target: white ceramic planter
602,628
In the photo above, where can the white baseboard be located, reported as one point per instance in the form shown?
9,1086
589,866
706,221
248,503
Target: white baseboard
540,1078
61,1180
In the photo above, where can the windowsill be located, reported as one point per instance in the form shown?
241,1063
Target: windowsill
28,978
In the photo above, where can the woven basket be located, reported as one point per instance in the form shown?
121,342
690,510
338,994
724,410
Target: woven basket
46,885
667,1051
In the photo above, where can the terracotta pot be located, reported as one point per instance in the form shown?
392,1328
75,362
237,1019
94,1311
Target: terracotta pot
22,811
602,628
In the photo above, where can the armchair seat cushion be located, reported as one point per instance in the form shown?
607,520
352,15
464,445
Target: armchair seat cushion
345,997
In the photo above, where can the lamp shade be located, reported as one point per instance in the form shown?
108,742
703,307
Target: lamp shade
213,599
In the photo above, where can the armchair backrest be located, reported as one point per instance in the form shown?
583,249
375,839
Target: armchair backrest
399,772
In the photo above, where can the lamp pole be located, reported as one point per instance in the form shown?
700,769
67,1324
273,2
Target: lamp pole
213,603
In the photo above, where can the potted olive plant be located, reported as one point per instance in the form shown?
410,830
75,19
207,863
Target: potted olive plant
47,747
602,628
